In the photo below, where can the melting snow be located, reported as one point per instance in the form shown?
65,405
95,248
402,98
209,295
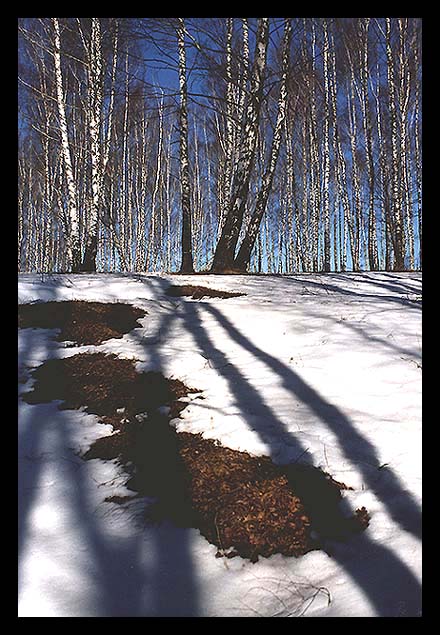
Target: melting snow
323,369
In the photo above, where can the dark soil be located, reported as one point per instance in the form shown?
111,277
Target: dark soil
245,505
103,385
254,507
197,292
79,321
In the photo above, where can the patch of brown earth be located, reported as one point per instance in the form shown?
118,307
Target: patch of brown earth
253,507
79,321
243,504
197,292
103,385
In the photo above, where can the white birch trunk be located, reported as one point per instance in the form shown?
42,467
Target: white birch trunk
398,242
245,74
168,202
372,235
404,94
187,255
355,176
95,114
315,164
326,174
72,239
230,127
243,258
341,170
108,133
417,151
225,252
305,197
123,195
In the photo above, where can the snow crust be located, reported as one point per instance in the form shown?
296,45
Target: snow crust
323,369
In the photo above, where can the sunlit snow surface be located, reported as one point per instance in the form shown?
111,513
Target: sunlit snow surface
317,368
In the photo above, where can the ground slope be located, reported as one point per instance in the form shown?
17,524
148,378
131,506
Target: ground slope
318,369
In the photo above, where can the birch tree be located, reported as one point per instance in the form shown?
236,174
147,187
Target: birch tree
230,137
95,71
417,149
397,236
326,175
187,256
243,258
341,169
315,166
105,184
225,251
404,95
72,230
364,76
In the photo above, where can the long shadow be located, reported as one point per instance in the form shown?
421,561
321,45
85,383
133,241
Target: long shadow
396,286
402,507
369,336
384,579
30,464
30,439
402,584
412,304
115,565
153,343
174,585
118,575
117,581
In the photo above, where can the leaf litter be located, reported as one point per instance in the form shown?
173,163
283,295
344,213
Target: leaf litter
245,505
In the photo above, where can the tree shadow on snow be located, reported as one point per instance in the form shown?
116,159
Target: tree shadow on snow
402,585
326,284
121,581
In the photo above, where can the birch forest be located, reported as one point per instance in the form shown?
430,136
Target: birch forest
224,145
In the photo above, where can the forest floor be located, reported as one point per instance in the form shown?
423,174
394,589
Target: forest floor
220,445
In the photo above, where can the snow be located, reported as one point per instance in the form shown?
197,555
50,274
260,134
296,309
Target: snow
323,369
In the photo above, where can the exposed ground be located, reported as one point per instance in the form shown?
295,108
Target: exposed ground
245,505
81,322
197,292
304,370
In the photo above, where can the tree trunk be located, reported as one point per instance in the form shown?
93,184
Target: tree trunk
72,237
95,106
225,251
356,217
326,179
315,167
404,90
230,127
397,237
372,236
187,257
243,258
418,162
341,169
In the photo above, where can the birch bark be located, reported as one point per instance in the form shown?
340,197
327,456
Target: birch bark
356,217
397,235
341,169
95,122
315,170
326,175
372,234
417,151
187,256
225,251
72,237
243,258
404,94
